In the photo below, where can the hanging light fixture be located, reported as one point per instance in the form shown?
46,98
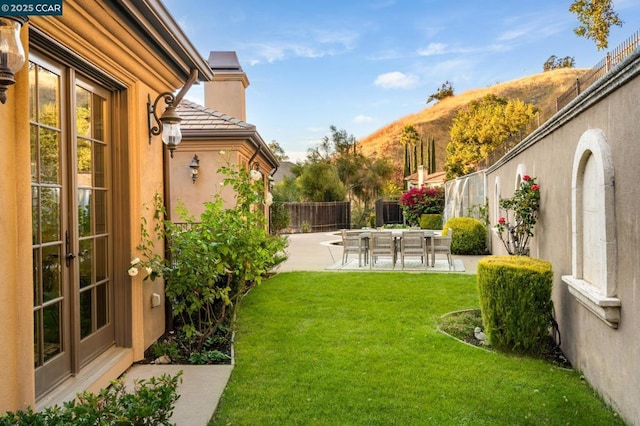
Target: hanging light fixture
255,173
12,55
168,124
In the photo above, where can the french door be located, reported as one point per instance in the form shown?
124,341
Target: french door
70,175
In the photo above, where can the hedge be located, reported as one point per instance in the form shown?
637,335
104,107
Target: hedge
431,221
515,300
470,236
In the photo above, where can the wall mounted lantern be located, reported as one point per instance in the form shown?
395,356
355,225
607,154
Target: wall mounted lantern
12,55
168,124
255,172
195,165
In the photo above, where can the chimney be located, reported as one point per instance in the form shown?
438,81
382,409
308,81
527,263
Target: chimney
225,93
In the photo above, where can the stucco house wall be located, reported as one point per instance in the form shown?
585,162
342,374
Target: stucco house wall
602,123
140,50
218,139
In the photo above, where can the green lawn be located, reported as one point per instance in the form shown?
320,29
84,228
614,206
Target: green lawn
315,348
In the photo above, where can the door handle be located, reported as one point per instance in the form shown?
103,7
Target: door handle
70,255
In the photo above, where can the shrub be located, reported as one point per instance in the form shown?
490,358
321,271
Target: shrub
470,236
516,229
151,403
431,221
515,299
214,258
280,218
418,201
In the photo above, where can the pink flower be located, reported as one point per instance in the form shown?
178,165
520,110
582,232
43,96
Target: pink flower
502,221
534,187
526,177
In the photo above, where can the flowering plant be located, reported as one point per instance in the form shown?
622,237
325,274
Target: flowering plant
419,201
516,228
136,265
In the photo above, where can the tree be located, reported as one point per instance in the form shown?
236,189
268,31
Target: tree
444,91
431,156
596,18
278,151
339,143
480,128
554,63
320,182
409,139
287,190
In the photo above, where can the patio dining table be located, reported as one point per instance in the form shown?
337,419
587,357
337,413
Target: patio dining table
429,235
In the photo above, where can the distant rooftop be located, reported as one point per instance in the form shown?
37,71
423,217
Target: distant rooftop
224,61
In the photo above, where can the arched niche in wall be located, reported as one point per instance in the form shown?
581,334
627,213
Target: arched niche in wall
593,228
496,198
521,170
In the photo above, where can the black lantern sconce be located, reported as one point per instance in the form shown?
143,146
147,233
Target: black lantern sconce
194,165
12,55
168,124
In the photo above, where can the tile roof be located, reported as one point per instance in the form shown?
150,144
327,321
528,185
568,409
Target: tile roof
437,177
198,118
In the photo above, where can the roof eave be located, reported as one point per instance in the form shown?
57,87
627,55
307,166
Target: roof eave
154,23
249,134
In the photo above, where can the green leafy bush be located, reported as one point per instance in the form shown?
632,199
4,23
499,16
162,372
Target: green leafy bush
515,299
431,221
214,258
515,229
208,357
470,236
280,218
151,403
419,201
169,349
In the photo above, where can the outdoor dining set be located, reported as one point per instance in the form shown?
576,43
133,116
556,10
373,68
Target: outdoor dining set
396,244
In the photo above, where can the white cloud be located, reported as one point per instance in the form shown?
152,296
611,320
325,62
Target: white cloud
532,27
382,4
433,49
396,80
359,119
344,38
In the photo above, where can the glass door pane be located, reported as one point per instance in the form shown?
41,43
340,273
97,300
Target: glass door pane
52,360
92,197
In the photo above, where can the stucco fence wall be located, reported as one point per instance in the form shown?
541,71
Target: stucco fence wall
464,195
608,357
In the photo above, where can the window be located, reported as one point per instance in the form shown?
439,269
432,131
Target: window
594,258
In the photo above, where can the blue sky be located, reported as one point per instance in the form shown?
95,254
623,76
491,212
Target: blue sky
361,64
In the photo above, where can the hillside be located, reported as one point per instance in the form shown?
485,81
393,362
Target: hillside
435,121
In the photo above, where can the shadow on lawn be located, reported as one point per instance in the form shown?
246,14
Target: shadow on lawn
460,325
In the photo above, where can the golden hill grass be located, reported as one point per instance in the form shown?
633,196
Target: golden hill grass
435,121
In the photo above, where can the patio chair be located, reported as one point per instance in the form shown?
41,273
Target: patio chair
442,244
414,244
382,243
352,243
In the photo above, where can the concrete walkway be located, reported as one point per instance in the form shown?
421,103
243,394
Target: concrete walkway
202,386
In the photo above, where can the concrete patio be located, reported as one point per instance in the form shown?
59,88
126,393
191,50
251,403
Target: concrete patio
315,252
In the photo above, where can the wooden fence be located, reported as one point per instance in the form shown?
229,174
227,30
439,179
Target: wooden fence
388,212
319,217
